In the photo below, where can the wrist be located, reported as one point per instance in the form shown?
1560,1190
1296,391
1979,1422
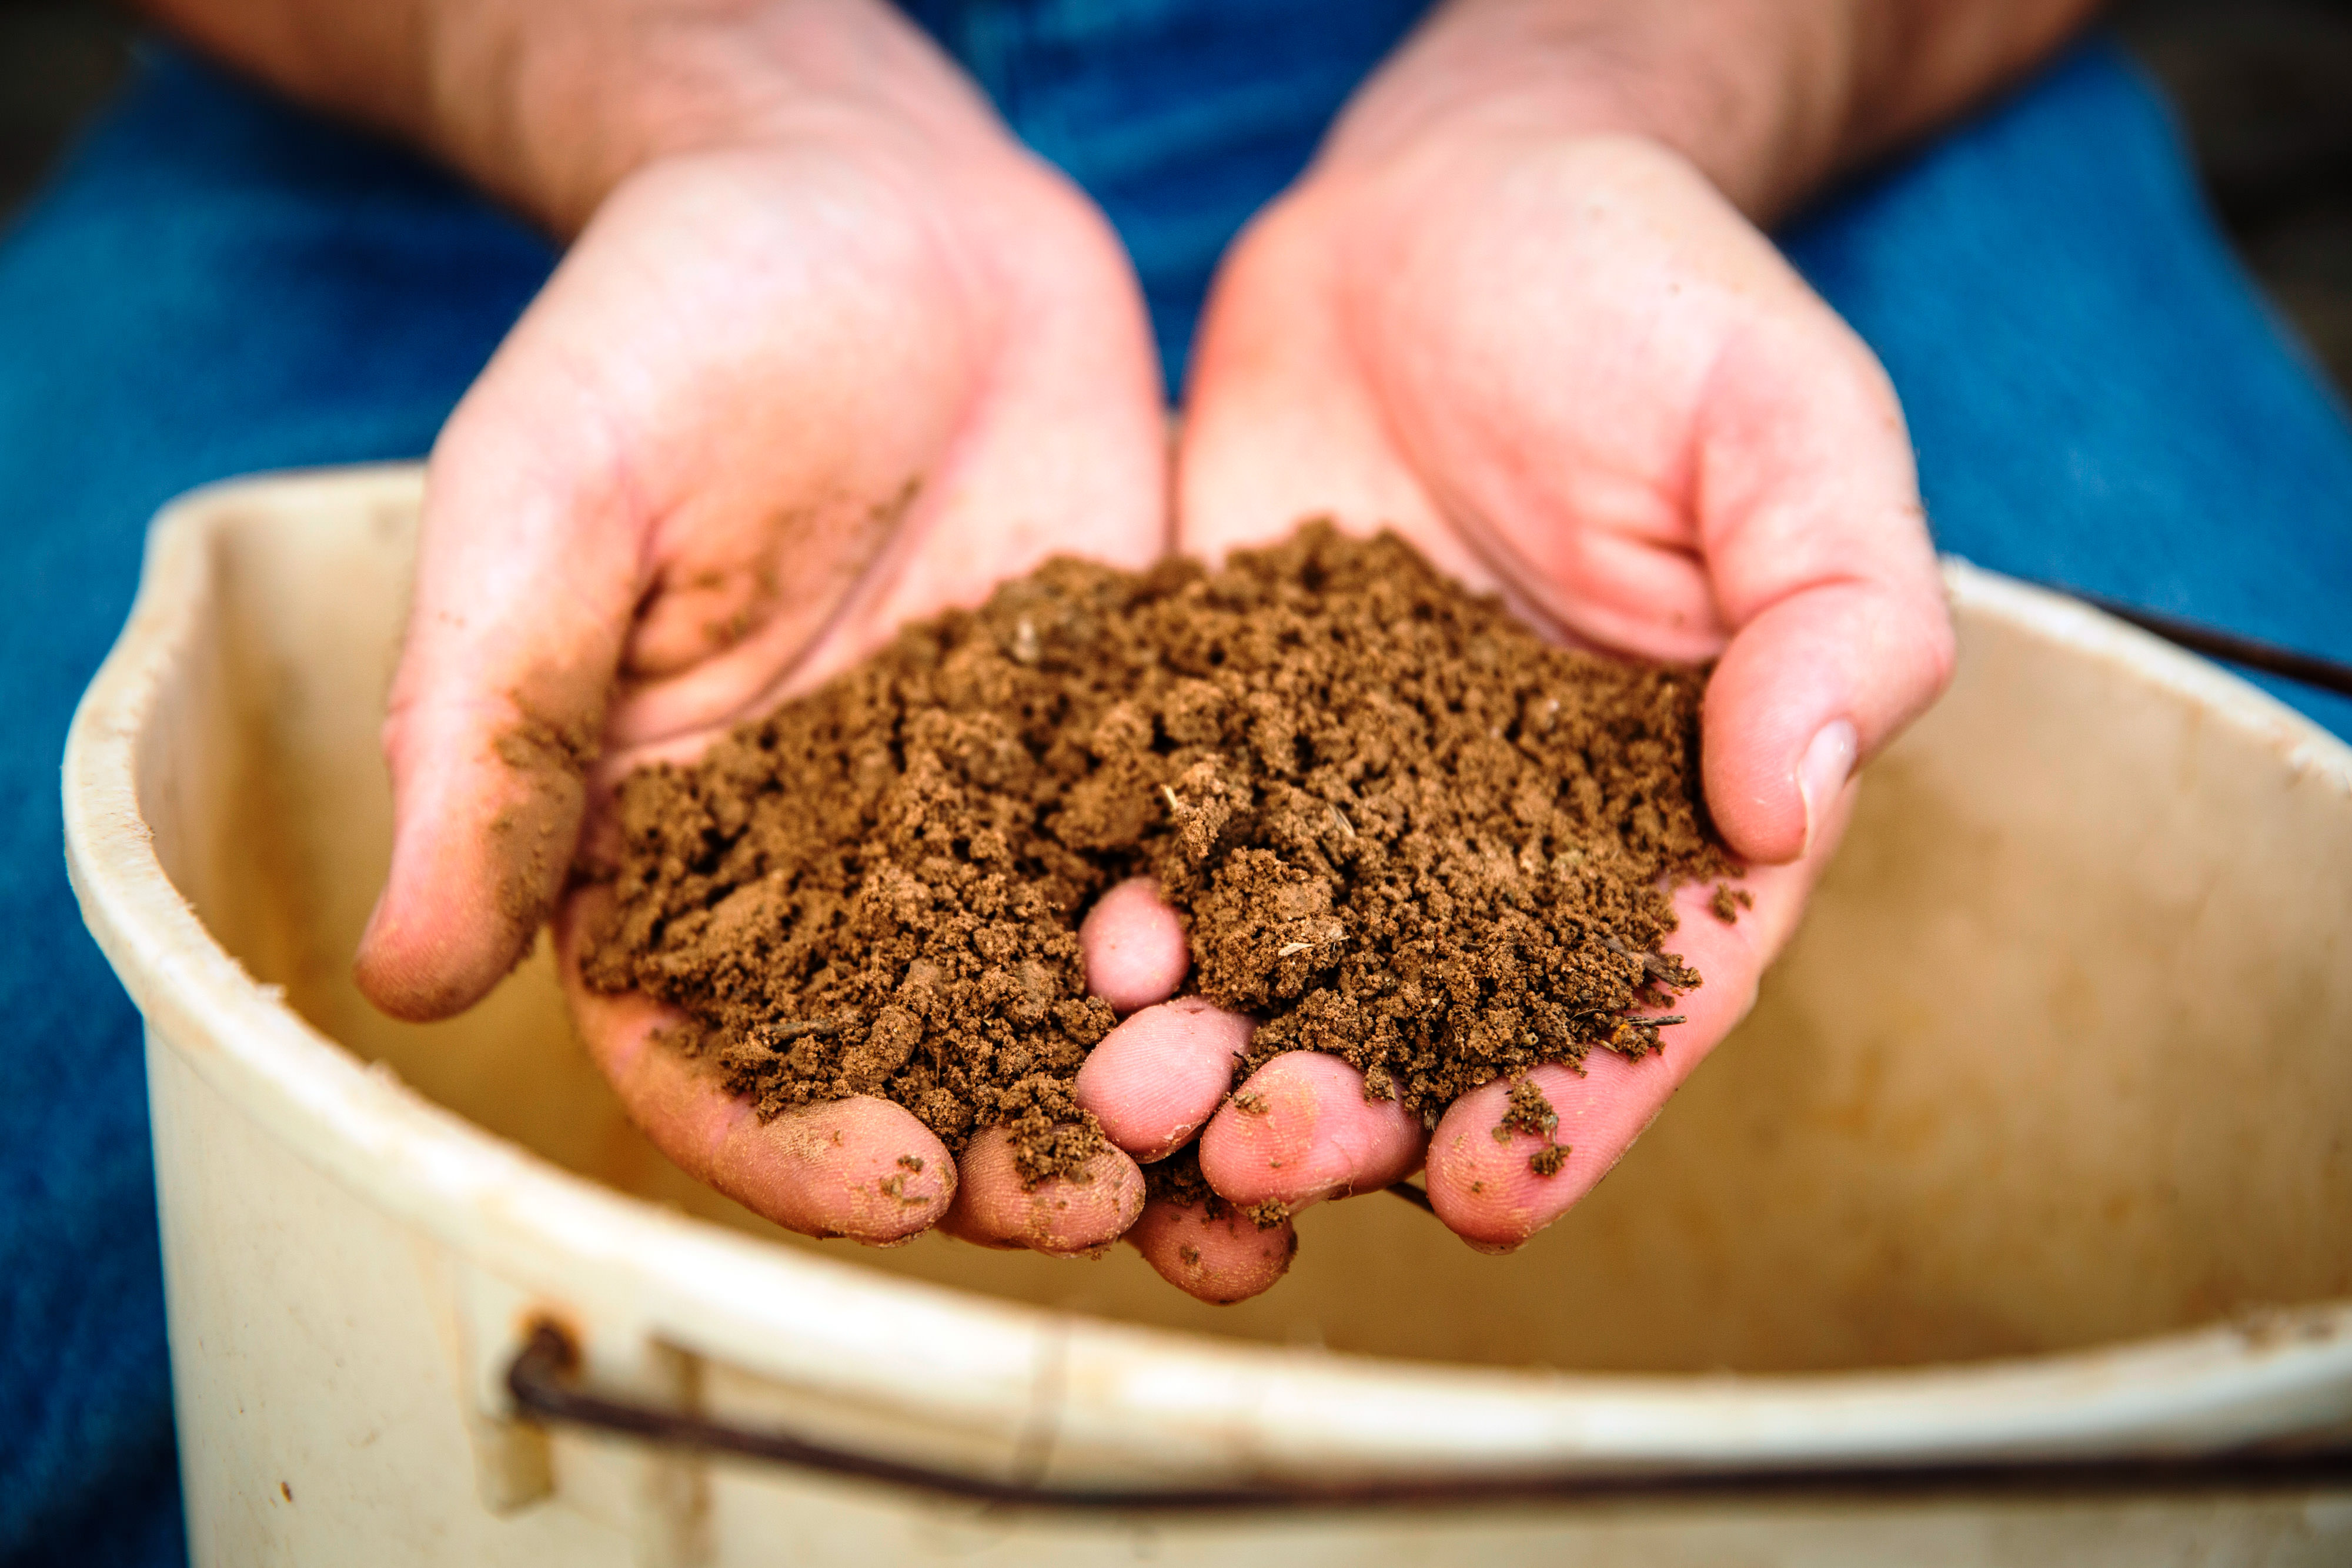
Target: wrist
1768,97
550,106
1757,96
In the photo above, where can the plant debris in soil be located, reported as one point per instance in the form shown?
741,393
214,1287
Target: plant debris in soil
1402,829
1529,1112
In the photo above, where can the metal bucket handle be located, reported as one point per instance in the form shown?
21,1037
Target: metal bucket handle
544,1381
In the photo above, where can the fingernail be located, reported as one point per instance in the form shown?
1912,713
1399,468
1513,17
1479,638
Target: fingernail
374,919
1823,771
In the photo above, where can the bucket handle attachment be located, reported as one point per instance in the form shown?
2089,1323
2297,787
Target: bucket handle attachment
544,1381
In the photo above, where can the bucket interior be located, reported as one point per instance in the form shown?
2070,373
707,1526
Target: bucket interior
2062,1054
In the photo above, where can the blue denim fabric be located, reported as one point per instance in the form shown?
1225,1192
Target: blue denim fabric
216,283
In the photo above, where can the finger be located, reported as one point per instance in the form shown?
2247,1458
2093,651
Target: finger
1062,1215
527,574
1495,1191
863,1169
1134,947
1491,1186
1221,1261
1300,1130
1153,1081
1819,558
494,717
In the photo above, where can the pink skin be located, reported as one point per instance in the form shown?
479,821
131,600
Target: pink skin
1133,958
1307,1132
1221,1261
1684,454
1065,1216
1155,1079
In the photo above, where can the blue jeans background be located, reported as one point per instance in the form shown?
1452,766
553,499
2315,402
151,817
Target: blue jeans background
216,283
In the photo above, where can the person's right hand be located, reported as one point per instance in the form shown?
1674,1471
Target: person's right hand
840,355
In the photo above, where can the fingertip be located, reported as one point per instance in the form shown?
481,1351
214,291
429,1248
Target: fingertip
1134,947
1484,1179
419,966
863,1169
1806,691
1750,781
1301,1129
1221,1260
1496,1181
1061,1216
481,848
1156,1078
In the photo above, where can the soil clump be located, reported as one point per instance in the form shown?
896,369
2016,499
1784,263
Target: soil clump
1402,829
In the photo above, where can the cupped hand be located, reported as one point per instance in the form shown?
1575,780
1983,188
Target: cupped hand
789,387
1570,372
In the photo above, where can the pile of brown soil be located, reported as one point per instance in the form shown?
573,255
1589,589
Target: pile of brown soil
1403,830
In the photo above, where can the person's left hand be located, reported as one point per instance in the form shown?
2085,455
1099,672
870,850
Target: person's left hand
1567,368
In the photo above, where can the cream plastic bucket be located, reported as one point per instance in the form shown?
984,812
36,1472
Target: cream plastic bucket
2038,1147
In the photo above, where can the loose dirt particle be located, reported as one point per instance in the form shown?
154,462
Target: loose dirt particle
1729,901
535,743
1526,1112
1404,829
1266,1215
1530,1111
1178,1180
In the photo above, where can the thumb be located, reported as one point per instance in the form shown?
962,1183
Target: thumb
1818,553
528,570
